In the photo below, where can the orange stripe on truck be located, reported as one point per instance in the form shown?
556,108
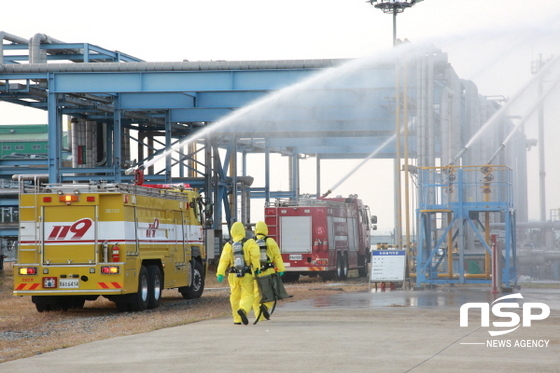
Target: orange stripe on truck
27,286
317,268
109,285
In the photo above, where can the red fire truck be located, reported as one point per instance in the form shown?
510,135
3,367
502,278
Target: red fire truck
324,236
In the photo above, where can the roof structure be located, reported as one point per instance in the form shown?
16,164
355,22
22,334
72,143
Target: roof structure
354,104
403,103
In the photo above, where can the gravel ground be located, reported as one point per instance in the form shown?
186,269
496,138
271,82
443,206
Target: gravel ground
25,332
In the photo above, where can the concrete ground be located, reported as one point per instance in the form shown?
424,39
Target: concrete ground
395,331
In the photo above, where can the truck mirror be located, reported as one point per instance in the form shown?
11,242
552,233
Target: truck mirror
374,227
374,219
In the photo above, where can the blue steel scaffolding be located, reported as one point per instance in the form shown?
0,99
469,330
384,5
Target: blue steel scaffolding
457,208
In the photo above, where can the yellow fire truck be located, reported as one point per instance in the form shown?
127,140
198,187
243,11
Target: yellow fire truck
124,242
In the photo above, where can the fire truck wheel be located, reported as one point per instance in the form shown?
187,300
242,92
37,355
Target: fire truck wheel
290,277
345,264
362,262
197,287
78,303
41,303
327,276
122,303
339,266
139,301
71,302
155,286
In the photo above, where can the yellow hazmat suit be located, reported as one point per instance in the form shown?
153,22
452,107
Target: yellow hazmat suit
241,287
276,264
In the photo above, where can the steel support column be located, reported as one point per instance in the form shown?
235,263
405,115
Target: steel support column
117,141
55,135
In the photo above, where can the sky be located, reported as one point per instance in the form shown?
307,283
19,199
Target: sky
489,42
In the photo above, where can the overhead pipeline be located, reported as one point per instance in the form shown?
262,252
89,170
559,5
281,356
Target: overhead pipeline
167,66
10,37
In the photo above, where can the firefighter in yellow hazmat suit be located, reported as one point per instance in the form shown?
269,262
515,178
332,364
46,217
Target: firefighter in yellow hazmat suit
270,263
240,259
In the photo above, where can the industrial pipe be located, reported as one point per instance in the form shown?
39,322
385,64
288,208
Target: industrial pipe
459,155
35,55
31,177
13,38
466,275
167,66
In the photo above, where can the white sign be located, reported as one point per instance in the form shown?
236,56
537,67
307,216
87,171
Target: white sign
388,265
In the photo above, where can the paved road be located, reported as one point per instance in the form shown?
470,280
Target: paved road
399,331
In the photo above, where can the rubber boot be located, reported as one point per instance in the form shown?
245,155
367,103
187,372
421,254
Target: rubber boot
243,315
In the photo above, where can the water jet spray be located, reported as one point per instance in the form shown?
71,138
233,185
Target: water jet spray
498,114
525,118
376,151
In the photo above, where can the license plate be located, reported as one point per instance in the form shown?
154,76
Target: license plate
69,283
295,257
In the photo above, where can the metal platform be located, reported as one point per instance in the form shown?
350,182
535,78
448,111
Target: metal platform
457,206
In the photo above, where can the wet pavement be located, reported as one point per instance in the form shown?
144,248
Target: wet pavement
392,331
442,297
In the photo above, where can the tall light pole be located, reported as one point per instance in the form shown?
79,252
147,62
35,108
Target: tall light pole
393,7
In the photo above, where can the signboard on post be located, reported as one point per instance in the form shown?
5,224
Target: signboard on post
388,265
